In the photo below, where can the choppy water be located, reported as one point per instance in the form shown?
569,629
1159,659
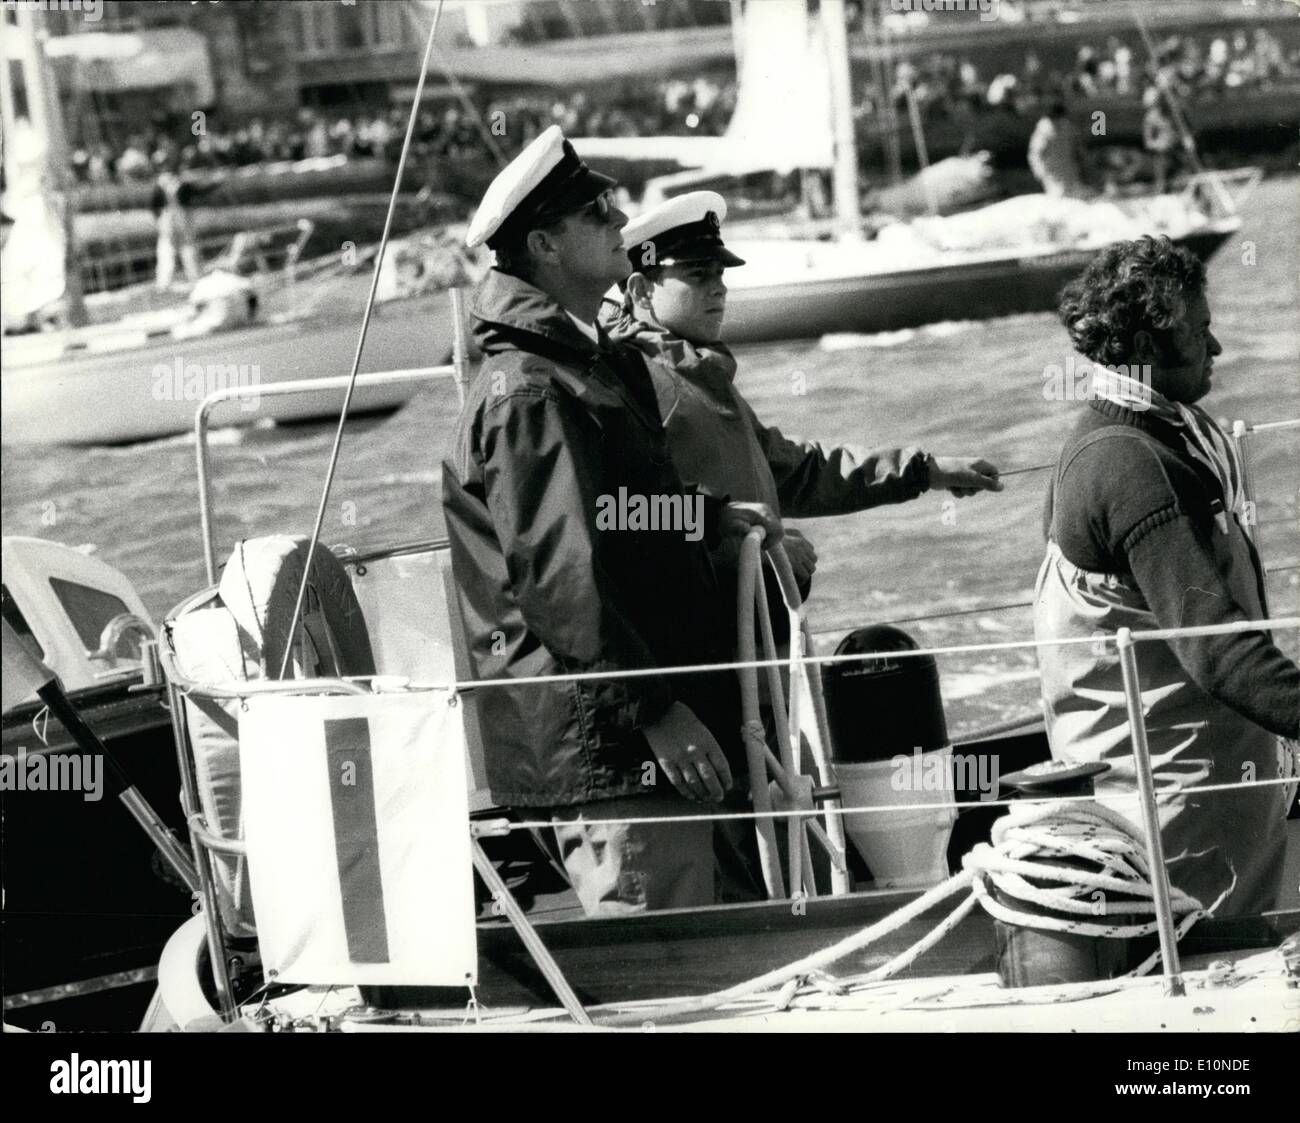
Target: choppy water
958,387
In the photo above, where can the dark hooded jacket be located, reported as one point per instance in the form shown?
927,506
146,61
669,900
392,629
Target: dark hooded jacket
552,423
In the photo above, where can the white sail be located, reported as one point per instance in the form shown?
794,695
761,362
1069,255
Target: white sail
783,102
32,267
782,119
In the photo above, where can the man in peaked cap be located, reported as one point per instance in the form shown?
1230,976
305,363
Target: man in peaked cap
673,308
557,422
672,312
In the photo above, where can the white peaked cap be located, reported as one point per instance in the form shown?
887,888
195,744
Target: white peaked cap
685,228
691,207
547,175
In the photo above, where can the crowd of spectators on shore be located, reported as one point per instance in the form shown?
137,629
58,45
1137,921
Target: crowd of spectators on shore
647,108
310,134
1194,68
944,84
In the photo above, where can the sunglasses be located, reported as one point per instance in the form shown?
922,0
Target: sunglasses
601,208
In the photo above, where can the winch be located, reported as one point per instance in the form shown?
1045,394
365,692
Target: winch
889,743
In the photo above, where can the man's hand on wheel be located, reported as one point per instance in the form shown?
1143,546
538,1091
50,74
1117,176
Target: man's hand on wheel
689,755
737,519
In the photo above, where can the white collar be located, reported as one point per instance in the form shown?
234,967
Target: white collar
589,330
1121,389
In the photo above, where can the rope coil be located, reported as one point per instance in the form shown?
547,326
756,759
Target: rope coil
1057,830
1032,842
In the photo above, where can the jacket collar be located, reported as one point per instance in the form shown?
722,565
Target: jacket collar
513,315
680,355
506,305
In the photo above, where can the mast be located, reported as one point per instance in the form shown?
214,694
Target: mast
886,118
738,37
847,206
43,114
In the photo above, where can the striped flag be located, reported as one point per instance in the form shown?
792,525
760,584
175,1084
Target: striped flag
356,819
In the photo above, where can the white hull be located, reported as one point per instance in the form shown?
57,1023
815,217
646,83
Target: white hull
798,289
146,391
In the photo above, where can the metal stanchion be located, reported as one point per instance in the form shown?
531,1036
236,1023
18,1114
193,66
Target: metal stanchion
207,889
459,344
528,935
1150,815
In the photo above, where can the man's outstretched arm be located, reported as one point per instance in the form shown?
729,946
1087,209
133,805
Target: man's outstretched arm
812,480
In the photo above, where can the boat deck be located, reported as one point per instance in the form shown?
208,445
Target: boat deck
1228,991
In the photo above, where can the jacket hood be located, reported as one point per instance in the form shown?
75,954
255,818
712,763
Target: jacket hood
506,307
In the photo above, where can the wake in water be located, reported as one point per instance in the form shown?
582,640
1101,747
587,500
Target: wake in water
943,329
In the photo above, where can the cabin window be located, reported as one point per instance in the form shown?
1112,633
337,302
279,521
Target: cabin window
19,623
89,609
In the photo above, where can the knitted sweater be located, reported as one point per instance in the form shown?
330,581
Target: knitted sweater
1131,498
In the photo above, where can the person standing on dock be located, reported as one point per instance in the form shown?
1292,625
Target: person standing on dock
170,203
1146,525
558,422
1056,154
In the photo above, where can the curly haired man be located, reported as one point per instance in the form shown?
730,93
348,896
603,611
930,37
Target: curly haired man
1145,525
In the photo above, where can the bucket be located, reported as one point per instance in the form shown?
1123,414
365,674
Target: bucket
903,849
